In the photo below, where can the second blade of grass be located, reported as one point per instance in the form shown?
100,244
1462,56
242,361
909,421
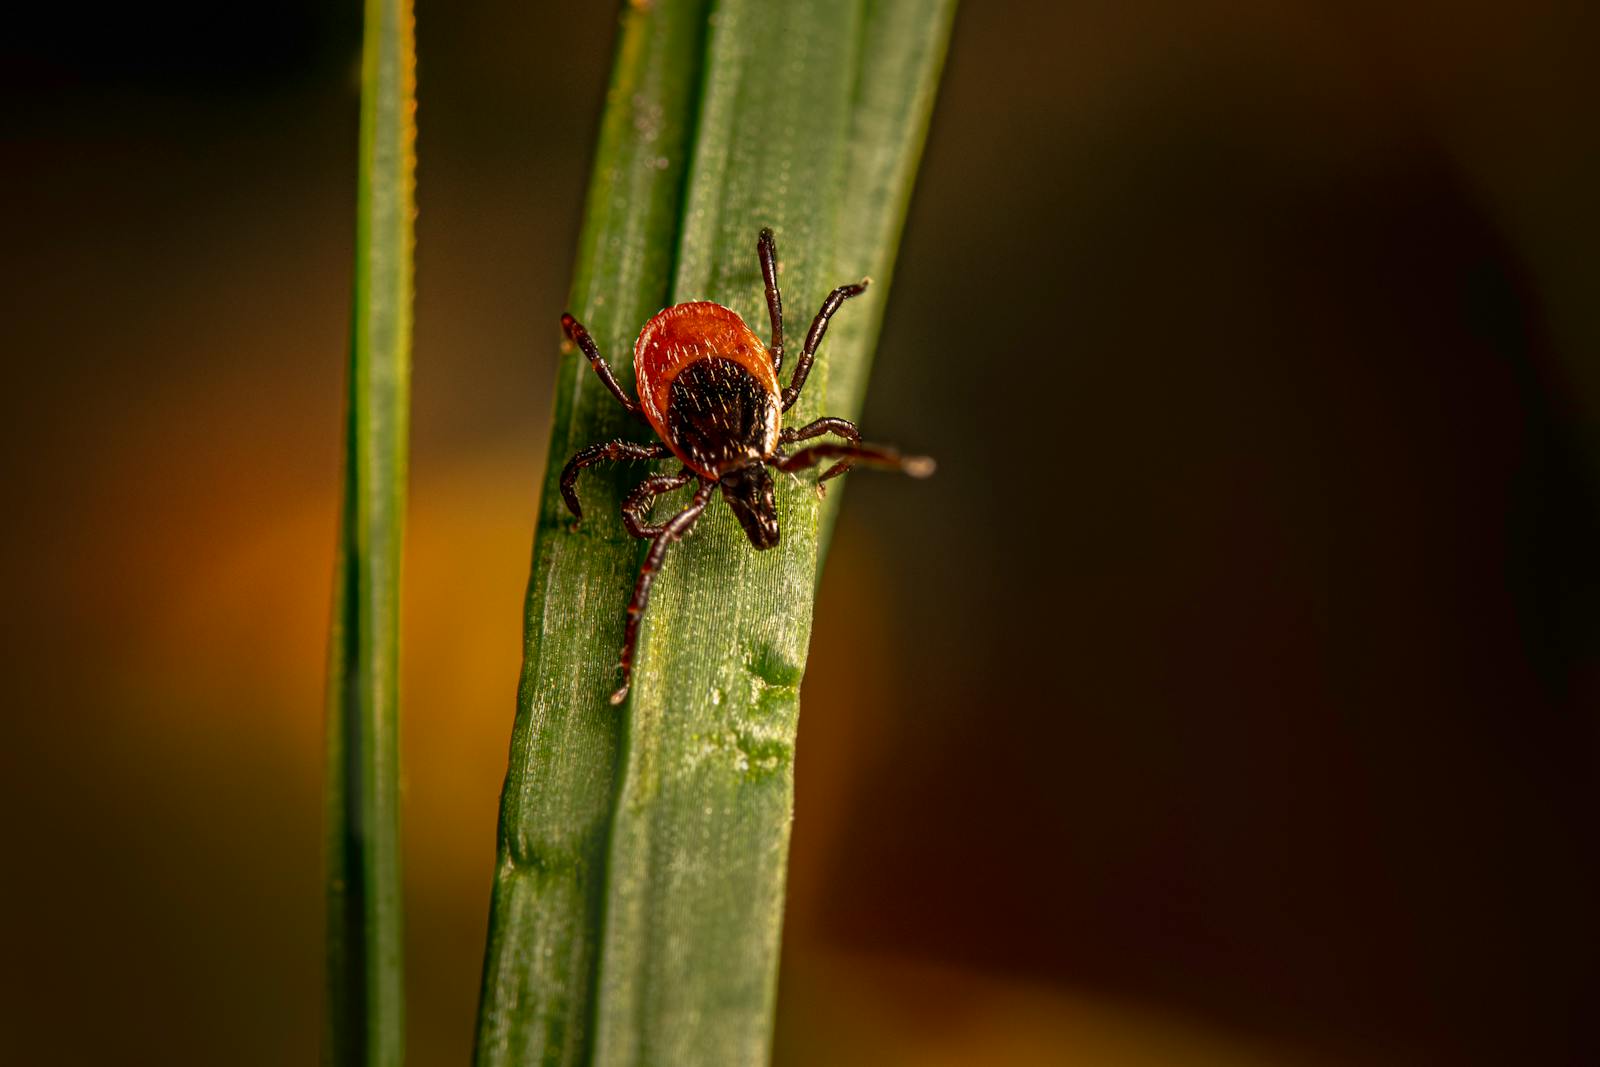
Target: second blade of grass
649,932
811,123
365,988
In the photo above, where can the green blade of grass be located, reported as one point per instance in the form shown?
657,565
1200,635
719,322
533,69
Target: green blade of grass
811,123
365,994
639,890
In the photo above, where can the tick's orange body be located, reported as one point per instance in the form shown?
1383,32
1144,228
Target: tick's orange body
682,336
709,389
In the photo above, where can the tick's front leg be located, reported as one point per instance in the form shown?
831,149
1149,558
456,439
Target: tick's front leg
827,424
609,451
872,455
636,509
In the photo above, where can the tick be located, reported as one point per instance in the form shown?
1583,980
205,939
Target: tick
709,389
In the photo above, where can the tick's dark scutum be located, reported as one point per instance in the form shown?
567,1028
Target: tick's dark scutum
720,414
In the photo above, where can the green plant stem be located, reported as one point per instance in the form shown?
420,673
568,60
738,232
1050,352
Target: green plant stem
639,892
365,994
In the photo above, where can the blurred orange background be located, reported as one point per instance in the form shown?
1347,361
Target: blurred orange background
1228,698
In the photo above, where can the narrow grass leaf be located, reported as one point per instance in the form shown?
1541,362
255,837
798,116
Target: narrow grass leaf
365,995
813,117
639,893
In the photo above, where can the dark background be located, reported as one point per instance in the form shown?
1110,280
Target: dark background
1227,698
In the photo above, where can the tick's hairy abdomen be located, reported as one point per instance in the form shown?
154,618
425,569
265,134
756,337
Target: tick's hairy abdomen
686,336
720,416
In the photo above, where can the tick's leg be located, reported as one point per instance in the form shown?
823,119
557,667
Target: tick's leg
827,424
670,531
871,455
767,252
817,427
580,337
636,509
819,326
601,453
